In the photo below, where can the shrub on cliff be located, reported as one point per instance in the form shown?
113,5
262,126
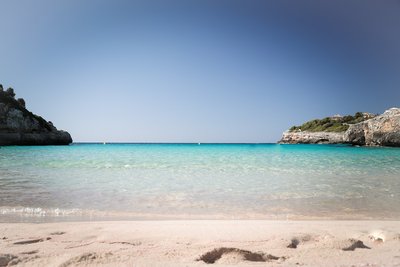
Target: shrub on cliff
10,92
22,102
330,124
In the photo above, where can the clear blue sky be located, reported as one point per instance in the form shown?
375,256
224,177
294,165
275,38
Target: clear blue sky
198,71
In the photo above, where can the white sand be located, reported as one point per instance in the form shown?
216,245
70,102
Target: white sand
181,243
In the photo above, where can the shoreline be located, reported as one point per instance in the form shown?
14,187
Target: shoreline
21,214
183,242
143,217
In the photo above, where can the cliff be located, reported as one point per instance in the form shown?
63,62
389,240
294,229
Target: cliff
312,137
18,126
383,130
365,130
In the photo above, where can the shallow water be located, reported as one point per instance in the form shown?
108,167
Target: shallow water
207,181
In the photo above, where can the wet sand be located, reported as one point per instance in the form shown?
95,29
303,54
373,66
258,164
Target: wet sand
201,243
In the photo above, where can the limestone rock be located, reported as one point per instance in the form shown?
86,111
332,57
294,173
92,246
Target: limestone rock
382,130
311,138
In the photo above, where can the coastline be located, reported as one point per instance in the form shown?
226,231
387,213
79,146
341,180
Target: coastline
183,242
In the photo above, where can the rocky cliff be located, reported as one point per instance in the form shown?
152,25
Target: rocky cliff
312,138
18,126
381,130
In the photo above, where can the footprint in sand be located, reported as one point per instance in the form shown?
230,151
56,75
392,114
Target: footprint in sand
30,252
85,258
126,243
355,244
5,259
293,243
31,241
237,254
302,239
57,233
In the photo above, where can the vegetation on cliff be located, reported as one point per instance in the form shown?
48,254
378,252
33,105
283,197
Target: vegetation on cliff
332,124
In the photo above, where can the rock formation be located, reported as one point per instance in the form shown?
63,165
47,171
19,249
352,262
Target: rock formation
381,130
312,138
18,126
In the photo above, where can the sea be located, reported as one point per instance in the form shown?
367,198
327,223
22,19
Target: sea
83,182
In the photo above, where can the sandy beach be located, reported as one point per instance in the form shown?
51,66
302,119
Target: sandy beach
201,242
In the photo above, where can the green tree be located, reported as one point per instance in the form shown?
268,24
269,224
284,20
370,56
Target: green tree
358,115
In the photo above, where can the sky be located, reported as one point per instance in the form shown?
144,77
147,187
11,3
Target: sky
198,71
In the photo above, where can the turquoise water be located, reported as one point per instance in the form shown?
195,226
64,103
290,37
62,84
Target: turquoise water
207,181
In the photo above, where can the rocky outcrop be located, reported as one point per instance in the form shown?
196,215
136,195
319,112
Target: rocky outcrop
18,126
381,130
312,138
